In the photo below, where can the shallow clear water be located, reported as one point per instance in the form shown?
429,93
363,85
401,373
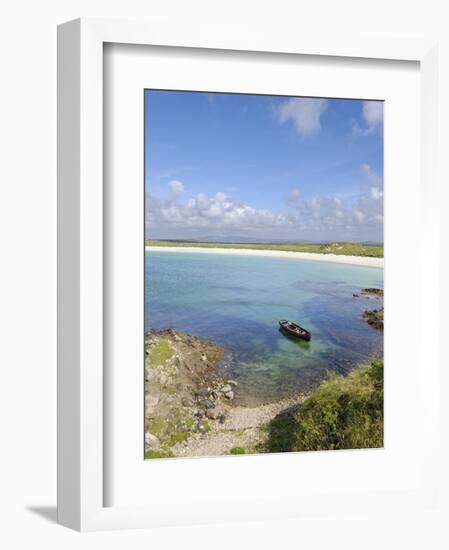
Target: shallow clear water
236,301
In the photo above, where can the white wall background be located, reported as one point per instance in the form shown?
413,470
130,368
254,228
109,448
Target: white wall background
28,267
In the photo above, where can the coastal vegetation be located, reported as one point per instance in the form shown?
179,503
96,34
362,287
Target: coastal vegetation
158,454
191,411
338,248
237,451
345,412
161,352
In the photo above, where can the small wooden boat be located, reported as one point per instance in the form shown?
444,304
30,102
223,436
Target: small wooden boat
295,330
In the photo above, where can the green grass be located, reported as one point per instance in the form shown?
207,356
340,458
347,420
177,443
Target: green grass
190,422
157,454
346,248
206,425
176,437
237,451
157,426
342,413
168,432
160,353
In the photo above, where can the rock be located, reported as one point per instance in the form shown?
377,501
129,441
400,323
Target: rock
375,318
232,383
229,395
373,291
188,383
356,295
151,440
202,392
151,402
226,389
221,418
201,428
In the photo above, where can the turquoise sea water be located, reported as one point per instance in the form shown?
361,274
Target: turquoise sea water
236,301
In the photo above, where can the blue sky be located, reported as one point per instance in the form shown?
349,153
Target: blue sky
266,168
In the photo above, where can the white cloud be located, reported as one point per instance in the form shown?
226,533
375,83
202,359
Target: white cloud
322,217
375,182
373,112
376,193
327,214
373,118
204,211
305,113
176,186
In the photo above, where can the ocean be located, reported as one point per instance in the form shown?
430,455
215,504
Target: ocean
237,301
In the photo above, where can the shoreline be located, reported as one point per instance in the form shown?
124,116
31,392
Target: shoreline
190,408
364,261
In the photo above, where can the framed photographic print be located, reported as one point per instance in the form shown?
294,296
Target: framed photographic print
231,218
261,212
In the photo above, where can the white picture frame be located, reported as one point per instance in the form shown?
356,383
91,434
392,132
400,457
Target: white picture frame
81,387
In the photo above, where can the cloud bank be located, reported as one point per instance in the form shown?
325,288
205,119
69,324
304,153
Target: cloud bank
221,216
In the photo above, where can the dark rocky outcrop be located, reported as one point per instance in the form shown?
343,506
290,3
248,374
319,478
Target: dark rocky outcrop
375,318
379,292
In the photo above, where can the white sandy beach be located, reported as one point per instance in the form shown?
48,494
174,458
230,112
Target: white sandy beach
316,257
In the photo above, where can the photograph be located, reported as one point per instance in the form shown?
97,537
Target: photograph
264,274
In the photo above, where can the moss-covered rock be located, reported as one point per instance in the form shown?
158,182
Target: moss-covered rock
159,352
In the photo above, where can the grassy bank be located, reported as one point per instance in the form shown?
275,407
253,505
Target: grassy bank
340,248
342,413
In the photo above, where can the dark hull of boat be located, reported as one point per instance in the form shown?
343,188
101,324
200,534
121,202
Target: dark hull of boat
292,329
